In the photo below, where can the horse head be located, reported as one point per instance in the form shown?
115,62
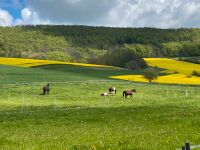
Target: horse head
133,90
112,90
47,84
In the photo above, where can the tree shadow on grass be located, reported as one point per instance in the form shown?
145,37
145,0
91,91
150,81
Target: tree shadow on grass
103,72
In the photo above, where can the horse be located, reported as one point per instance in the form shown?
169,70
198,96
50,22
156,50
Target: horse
46,89
112,90
129,92
104,94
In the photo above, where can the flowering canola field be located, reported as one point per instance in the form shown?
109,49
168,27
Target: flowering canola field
179,72
35,62
173,65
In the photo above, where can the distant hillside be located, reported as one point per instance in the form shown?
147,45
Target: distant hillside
123,47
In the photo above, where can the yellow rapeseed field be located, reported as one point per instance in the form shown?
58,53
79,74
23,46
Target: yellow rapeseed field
170,79
35,62
173,65
182,69
179,72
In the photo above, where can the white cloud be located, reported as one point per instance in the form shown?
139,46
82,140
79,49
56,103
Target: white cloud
156,13
26,14
18,21
5,18
29,18
125,13
72,11
132,13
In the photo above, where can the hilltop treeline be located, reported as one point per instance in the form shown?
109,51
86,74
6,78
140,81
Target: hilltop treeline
122,47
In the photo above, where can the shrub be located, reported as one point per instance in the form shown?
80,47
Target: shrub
151,74
138,63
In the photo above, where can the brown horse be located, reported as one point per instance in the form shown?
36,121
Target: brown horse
129,92
112,90
46,89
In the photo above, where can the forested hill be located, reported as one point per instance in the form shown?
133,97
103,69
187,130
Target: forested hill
104,45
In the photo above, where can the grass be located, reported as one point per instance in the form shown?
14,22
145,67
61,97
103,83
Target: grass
17,70
56,73
74,116
158,117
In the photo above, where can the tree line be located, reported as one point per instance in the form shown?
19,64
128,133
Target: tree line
123,47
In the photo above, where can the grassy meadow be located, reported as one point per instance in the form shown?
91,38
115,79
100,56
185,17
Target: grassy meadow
74,116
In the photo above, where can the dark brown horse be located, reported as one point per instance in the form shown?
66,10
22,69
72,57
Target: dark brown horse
129,92
112,90
46,89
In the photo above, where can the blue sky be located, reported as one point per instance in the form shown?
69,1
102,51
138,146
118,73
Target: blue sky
13,7
118,13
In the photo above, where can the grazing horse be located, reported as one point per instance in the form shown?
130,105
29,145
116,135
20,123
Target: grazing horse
129,92
46,89
112,90
104,94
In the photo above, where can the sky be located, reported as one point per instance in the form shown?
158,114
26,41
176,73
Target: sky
114,13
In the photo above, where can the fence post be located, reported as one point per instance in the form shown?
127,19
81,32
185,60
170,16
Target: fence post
141,97
167,92
9,96
55,107
186,93
187,146
82,100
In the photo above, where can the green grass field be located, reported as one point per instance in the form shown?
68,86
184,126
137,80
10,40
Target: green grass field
74,116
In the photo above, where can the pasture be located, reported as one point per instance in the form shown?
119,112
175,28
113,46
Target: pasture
75,117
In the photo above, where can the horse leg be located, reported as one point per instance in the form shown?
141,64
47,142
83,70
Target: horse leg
44,91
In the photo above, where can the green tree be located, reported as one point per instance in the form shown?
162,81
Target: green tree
151,74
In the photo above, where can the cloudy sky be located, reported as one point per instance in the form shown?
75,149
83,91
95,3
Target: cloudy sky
117,13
